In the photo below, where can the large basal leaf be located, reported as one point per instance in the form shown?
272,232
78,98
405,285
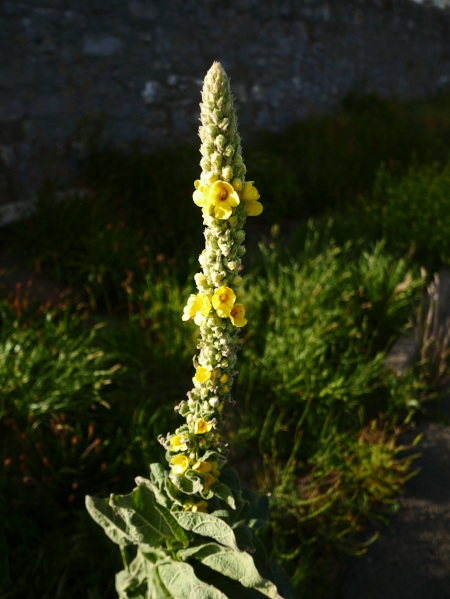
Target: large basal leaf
145,522
181,582
112,523
207,525
236,565
255,513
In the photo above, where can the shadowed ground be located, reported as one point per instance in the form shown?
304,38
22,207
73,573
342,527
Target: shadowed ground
411,559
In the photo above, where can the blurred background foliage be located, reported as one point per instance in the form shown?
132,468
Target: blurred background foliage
354,205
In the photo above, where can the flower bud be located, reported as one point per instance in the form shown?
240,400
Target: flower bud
228,151
240,235
205,163
216,160
236,281
189,418
237,184
212,130
227,172
191,402
231,265
211,178
238,161
200,280
241,251
220,142
224,364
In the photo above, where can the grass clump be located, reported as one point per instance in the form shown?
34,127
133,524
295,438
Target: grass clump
312,372
412,210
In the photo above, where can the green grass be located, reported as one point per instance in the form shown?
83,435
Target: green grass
319,418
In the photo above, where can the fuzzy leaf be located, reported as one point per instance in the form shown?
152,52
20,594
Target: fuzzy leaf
230,477
144,521
180,581
113,525
132,582
244,539
188,485
157,475
282,580
160,495
255,514
224,493
221,514
173,493
236,565
207,525
212,456
177,531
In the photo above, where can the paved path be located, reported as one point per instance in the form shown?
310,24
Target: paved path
411,559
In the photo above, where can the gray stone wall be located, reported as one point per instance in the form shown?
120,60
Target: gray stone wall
137,65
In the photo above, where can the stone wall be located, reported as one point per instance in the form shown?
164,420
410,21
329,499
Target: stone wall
67,66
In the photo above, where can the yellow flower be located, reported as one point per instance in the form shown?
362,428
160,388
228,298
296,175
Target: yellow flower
224,378
180,464
200,507
237,315
194,304
223,301
210,480
202,427
249,193
224,198
202,374
202,467
253,208
215,469
224,389
204,309
179,442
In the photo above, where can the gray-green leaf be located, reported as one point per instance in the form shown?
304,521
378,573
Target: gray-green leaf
255,514
207,525
112,524
236,565
178,532
230,477
223,492
145,523
182,583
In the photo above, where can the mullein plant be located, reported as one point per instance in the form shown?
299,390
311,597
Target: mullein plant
189,530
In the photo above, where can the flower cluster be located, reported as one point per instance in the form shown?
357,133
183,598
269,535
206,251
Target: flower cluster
195,452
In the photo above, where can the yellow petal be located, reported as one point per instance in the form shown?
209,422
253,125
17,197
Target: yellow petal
249,193
253,208
222,212
202,374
